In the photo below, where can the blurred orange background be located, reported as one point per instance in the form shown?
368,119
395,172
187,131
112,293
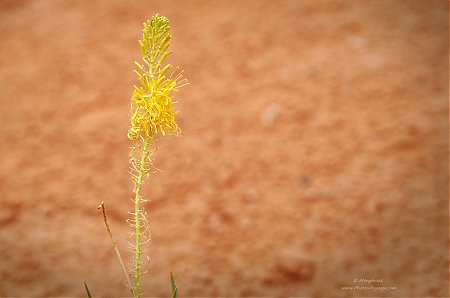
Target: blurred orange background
314,152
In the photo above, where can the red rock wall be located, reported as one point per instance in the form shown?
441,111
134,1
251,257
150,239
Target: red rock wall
314,148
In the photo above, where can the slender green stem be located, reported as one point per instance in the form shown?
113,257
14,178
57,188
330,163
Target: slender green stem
137,217
116,249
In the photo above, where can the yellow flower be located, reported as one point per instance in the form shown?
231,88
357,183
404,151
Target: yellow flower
152,108
152,113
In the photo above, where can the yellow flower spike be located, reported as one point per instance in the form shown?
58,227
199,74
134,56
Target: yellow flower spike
151,115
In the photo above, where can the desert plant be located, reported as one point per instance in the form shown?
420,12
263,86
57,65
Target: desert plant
152,116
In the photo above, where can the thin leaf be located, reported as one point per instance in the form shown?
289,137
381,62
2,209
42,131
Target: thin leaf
174,286
87,290
116,249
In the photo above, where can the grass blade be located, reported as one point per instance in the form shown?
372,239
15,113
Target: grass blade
174,286
87,290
